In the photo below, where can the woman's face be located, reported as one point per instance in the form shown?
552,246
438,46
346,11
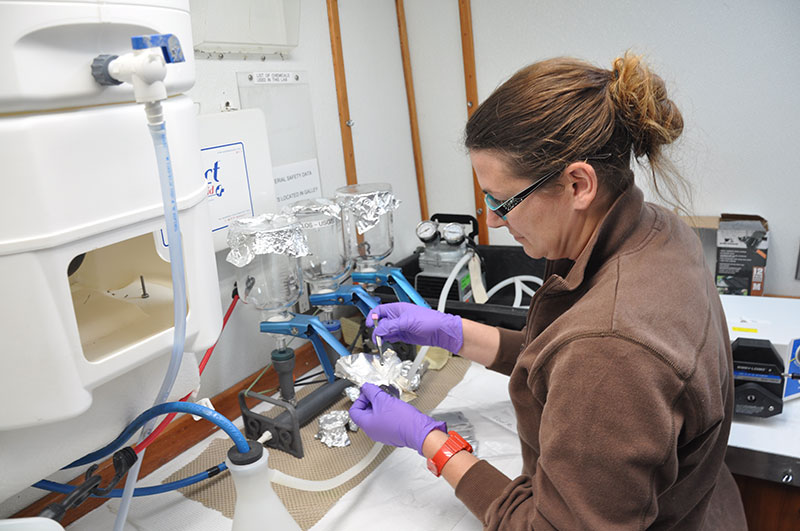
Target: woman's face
546,223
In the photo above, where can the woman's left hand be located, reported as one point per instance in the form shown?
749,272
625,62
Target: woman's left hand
389,420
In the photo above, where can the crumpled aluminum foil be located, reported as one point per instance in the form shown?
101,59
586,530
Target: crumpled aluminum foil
319,205
267,233
352,393
405,367
333,427
385,369
368,207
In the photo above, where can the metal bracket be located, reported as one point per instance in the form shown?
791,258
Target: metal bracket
392,277
308,327
285,429
346,295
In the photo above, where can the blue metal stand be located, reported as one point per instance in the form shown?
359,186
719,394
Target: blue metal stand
309,327
392,277
346,295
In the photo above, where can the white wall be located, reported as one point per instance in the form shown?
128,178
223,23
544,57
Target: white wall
731,66
381,137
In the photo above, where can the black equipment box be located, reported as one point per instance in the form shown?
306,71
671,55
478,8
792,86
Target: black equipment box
758,378
498,262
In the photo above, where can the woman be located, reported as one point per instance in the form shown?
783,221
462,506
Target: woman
621,380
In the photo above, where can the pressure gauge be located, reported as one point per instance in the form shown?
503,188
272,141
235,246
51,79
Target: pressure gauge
427,231
454,233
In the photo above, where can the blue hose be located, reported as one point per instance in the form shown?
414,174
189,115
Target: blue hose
168,407
52,486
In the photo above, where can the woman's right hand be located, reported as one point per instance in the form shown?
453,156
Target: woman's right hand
409,323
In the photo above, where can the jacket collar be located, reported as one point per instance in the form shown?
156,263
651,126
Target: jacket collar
616,227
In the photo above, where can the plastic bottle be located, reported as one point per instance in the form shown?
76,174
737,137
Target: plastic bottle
257,506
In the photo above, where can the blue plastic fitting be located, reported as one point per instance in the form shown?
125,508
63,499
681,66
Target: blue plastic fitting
169,44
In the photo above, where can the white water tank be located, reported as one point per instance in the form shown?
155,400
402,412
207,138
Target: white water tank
81,210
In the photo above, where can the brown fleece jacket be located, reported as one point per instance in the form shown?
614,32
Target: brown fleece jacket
623,389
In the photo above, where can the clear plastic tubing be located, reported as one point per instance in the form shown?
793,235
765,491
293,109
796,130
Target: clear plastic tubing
158,131
442,304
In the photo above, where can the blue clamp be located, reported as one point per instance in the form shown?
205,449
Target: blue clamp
346,295
309,327
392,277
169,44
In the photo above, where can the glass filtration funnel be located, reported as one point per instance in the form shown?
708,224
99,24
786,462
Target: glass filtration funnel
367,223
266,251
326,264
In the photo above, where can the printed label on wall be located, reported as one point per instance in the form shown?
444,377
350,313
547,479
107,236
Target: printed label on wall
295,181
265,78
228,184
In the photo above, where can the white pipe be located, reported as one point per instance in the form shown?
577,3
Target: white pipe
442,304
527,290
500,285
327,484
517,292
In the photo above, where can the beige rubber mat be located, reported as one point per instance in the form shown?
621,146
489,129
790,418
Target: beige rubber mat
320,462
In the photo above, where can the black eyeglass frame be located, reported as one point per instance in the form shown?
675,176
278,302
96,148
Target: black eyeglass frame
509,204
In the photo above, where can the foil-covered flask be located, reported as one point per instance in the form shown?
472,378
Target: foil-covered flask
266,251
367,221
326,264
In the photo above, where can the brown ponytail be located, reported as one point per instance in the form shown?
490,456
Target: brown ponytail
557,111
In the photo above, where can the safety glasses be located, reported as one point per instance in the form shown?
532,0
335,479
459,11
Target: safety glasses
502,208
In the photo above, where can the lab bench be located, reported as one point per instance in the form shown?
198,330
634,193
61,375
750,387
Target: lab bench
401,494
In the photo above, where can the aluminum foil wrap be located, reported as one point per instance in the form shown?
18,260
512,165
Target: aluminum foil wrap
352,393
413,383
379,369
368,207
320,205
333,429
264,234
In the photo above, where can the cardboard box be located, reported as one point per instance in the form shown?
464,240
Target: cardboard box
742,242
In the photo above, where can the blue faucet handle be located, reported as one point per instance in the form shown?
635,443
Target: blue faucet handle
169,44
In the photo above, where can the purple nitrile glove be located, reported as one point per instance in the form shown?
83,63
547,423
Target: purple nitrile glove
389,420
409,323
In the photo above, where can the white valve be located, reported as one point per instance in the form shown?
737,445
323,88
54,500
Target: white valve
145,67
145,70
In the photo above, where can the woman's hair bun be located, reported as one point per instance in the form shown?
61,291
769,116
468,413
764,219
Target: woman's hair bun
641,100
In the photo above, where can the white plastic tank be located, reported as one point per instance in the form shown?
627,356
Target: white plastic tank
80,220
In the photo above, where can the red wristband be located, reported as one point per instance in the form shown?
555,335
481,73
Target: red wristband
454,444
